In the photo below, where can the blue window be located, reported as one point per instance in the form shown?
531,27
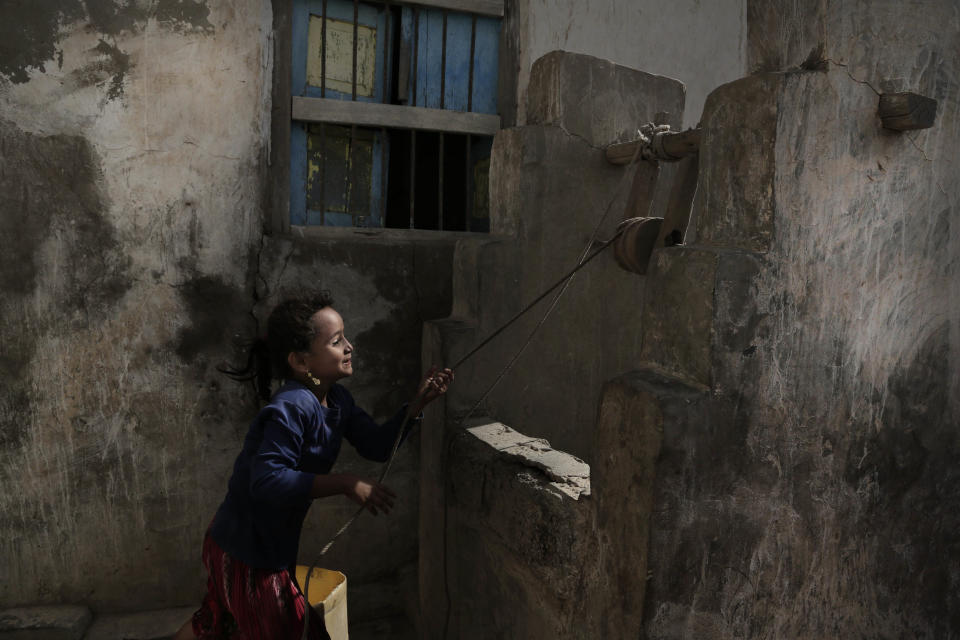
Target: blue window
394,110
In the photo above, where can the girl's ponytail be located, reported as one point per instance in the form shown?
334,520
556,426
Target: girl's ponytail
258,368
289,328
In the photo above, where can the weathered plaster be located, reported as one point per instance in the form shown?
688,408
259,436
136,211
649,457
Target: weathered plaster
31,33
813,492
131,172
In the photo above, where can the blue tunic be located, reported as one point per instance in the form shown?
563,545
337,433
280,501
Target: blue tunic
291,440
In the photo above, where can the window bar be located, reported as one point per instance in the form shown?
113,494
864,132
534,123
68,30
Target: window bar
350,180
323,61
413,170
440,187
416,54
443,68
356,19
468,192
473,48
385,97
383,176
323,172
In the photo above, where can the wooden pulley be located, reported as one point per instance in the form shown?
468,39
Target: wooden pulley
633,246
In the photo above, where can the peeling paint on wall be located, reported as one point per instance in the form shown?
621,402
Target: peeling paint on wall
184,15
30,33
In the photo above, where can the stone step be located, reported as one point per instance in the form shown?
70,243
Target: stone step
62,622
395,628
144,625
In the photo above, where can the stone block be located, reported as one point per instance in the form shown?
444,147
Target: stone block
143,625
734,206
628,436
739,324
554,208
598,100
528,500
396,628
678,313
65,622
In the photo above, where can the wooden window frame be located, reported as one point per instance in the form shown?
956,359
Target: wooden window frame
287,108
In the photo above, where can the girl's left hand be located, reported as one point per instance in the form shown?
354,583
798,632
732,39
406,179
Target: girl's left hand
433,385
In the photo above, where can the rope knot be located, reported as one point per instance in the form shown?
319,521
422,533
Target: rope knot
651,138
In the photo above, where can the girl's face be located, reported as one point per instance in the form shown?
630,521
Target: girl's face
330,356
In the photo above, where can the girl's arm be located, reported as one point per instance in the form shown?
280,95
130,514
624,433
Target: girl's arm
434,384
375,442
367,493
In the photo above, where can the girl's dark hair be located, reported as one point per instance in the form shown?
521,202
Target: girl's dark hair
288,329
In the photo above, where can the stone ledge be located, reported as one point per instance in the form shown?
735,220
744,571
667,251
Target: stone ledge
64,622
513,498
144,625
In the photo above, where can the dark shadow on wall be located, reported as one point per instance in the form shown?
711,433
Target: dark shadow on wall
52,206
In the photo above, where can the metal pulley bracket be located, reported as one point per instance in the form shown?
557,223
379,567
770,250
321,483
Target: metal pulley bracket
633,246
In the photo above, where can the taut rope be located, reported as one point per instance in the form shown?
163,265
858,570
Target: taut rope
585,258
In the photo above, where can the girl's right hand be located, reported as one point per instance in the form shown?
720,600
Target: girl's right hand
374,496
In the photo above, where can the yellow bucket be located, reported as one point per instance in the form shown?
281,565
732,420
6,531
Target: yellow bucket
328,597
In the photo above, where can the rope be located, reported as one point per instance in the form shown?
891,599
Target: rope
346,525
642,151
565,280
651,138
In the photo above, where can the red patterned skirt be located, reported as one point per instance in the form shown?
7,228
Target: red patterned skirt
243,603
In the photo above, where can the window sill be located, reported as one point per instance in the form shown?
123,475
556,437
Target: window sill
393,236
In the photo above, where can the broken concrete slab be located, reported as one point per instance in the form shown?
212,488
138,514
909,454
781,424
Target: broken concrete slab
62,622
568,473
498,435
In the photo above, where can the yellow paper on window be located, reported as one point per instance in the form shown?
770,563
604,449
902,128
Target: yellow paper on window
339,72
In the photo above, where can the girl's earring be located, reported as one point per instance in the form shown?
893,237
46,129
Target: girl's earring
313,379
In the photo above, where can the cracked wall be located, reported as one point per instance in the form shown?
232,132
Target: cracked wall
806,484
130,176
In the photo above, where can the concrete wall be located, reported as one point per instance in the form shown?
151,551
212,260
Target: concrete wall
130,177
800,357
701,44
551,192
806,485
520,527
132,174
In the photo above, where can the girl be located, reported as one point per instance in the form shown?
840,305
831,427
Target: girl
250,549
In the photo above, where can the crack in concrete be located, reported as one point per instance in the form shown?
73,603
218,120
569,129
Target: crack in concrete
575,135
258,276
850,75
